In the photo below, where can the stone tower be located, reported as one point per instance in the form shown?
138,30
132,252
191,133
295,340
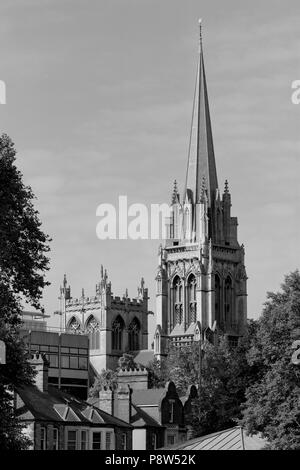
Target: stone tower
201,278
115,325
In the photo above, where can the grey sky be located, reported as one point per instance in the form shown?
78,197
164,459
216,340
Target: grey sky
99,99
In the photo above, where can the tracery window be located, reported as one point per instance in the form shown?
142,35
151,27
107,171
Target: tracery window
228,300
192,303
117,333
177,301
218,299
73,326
134,334
92,327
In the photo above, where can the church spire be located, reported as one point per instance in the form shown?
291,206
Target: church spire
201,158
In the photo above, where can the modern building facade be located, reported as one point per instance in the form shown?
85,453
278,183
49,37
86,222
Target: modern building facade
67,354
201,277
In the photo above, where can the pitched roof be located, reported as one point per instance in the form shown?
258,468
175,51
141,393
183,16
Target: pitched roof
230,439
150,397
139,418
144,356
55,405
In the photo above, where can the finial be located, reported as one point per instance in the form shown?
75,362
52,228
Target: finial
82,293
142,283
175,192
65,281
226,189
101,271
200,31
126,293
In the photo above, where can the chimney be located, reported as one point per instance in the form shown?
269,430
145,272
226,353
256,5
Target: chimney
40,364
136,378
123,403
106,400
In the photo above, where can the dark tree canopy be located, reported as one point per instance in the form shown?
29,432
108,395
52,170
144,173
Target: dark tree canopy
273,405
23,245
23,263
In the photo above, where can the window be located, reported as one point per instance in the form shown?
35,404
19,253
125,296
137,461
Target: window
73,362
73,326
171,439
153,441
96,440
218,299
43,440
53,360
177,301
83,363
192,304
108,441
228,300
117,333
233,341
71,441
133,335
92,327
83,445
123,441
171,411
55,444
65,362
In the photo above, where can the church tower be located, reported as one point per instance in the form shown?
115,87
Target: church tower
201,278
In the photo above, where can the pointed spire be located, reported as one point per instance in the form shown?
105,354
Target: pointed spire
201,158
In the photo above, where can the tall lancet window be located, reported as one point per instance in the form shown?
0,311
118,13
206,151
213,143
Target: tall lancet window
177,301
92,327
192,303
134,335
228,300
218,299
117,334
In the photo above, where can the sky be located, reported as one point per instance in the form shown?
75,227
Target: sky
99,103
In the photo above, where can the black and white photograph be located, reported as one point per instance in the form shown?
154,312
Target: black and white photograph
149,228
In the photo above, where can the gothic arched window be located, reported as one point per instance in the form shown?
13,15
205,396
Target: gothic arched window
177,301
92,328
73,325
134,335
228,300
117,334
191,294
218,299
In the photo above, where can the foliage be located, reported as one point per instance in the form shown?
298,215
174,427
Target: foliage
126,361
109,378
273,405
23,262
106,379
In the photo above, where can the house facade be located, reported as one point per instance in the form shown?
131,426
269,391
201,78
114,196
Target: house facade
54,420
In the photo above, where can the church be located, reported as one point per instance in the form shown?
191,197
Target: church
201,281
201,277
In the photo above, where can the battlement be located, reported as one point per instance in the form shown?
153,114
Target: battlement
137,377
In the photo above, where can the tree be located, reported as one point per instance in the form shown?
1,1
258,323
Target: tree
126,361
272,406
23,263
225,374
107,379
